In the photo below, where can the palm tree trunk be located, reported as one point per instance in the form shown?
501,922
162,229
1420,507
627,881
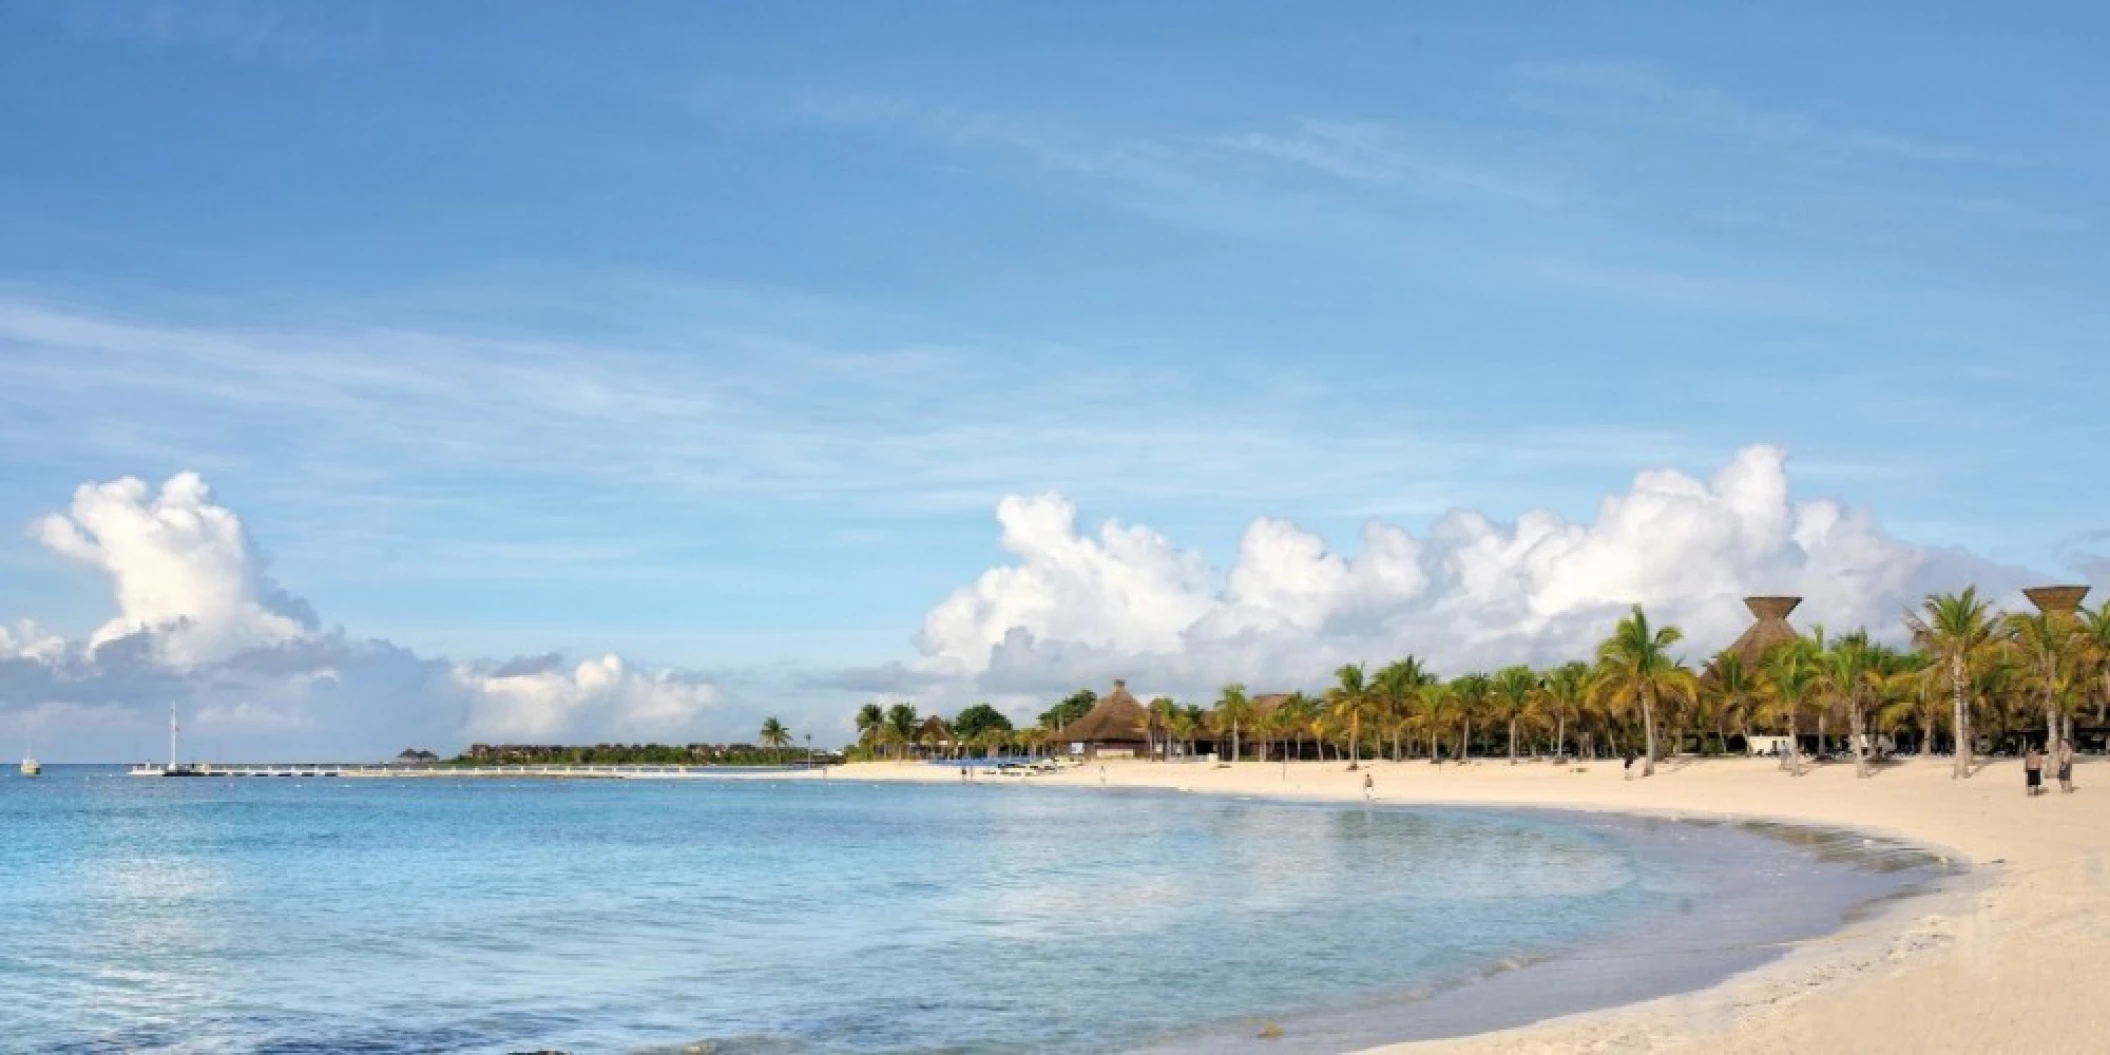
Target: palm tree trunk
2051,721
1648,726
1512,741
1963,718
1861,748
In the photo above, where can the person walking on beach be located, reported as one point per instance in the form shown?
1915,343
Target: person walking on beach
2033,772
1630,764
1369,787
2062,764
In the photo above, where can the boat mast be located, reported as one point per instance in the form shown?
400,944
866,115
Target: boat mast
172,736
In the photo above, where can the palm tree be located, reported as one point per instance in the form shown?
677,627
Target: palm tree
902,722
1184,724
2050,647
774,735
935,734
1788,678
1635,664
1848,673
1032,739
1298,711
1733,688
1470,695
1564,689
1348,699
2093,632
1909,693
1958,631
1273,729
1160,720
1395,689
1233,713
1516,699
1433,707
871,719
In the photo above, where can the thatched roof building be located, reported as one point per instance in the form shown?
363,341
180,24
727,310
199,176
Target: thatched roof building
1115,724
2056,600
1771,630
1265,705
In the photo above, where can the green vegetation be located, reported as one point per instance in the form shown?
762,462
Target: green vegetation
634,755
2007,680
979,720
1074,706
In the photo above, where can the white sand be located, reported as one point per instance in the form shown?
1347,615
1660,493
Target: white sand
2022,964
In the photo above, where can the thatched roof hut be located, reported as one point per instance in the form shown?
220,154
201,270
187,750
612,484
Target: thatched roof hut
1117,720
1267,704
1771,630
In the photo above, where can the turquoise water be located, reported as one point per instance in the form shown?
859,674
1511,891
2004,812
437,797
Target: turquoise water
374,916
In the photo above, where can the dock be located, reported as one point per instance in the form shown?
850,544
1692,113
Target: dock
362,771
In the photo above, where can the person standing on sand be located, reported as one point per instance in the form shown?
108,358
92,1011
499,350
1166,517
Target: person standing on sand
2062,764
1369,787
2033,772
1630,765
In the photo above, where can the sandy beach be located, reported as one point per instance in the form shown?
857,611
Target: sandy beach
2013,961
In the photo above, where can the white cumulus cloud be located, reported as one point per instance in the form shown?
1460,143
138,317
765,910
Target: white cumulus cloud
200,624
1080,607
24,639
541,702
181,567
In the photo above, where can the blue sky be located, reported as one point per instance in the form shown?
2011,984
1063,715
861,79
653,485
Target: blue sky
713,334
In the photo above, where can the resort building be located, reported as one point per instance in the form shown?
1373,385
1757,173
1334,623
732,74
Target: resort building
1116,727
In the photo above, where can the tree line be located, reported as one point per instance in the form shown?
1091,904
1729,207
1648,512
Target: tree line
776,748
1973,676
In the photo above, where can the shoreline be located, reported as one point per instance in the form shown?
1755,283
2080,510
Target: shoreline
2000,961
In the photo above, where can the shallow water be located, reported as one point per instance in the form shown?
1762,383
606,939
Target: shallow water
361,915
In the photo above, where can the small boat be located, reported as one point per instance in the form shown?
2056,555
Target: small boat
174,768
30,766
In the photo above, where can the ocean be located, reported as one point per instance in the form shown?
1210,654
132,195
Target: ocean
280,915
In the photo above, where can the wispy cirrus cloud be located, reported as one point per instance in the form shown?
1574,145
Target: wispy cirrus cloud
1376,153
293,31
1229,180
705,411
1644,95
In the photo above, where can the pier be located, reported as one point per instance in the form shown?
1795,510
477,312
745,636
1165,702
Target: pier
363,771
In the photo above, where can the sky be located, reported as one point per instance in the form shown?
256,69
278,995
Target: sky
388,374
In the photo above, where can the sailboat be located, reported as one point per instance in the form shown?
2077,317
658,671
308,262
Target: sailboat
174,768
30,766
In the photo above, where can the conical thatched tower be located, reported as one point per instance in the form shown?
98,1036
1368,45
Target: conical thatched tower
1114,725
2056,600
1771,630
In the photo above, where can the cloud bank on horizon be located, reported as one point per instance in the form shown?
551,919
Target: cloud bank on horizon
201,624
199,621
1128,602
